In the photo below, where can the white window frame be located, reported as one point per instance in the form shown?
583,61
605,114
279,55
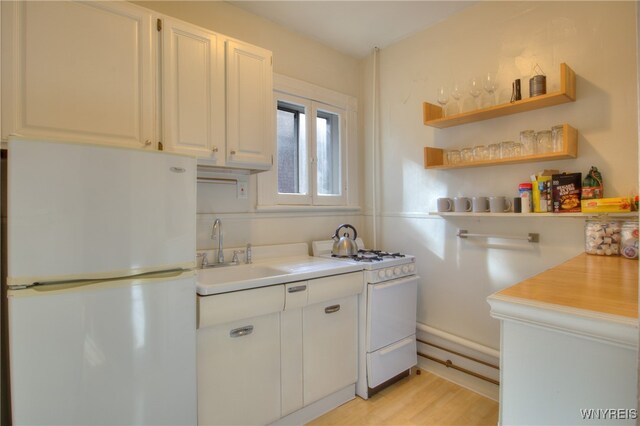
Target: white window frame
314,98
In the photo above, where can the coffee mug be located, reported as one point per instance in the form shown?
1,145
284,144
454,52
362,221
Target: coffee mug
499,205
461,204
480,204
445,205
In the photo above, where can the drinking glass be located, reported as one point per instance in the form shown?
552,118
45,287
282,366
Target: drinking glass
490,85
480,153
494,151
474,90
557,137
517,149
453,156
544,142
467,155
506,149
443,98
528,141
456,94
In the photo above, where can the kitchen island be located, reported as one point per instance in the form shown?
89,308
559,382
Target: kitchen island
569,344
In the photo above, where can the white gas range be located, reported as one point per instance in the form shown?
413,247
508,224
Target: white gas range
387,325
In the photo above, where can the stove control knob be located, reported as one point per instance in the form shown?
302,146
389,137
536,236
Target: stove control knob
389,272
381,274
412,267
405,269
396,271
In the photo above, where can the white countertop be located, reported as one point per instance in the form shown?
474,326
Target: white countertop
293,268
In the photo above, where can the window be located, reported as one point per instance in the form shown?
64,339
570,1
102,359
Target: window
310,167
292,149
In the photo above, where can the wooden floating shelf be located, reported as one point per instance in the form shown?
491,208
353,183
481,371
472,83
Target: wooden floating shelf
434,157
511,214
433,116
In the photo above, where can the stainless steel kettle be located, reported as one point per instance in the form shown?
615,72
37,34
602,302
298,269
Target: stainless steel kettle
345,245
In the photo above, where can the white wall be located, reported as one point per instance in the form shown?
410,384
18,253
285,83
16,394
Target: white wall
294,56
598,41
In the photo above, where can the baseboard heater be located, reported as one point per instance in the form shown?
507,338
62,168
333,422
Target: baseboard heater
449,364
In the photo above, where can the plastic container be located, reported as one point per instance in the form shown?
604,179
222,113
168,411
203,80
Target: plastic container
525,189
603,237
629,239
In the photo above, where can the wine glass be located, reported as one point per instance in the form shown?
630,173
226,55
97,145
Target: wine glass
443,98
490,86
456,94
474,89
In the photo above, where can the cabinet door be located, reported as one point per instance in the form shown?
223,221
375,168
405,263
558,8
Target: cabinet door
80,71
250,109
329,347
239,372
192,90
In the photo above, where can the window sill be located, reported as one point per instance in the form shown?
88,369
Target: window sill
310,209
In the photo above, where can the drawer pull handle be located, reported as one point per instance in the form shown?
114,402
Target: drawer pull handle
297,288
331,309
242,331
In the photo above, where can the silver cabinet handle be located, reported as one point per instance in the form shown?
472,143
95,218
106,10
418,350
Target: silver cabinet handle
242,331
147,142
214,149
331,309
297,288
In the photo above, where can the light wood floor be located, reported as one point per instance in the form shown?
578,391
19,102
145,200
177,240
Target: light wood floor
423,399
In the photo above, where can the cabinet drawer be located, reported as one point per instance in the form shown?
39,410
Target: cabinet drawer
296,295
335,287
391,360
227,307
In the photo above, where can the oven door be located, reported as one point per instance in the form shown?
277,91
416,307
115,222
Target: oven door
391,311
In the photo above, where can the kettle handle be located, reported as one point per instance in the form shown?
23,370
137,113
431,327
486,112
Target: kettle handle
345,225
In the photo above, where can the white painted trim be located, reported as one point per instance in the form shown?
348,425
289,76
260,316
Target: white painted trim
444,215
318,408
462,346
601,327
459,340
300,88
277,212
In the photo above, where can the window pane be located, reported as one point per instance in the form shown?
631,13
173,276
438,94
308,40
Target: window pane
328,153
292,149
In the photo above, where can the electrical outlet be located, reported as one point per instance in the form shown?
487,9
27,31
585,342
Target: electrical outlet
242,190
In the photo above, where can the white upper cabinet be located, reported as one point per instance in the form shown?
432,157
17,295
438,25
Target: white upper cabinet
81,71
250,109
193,101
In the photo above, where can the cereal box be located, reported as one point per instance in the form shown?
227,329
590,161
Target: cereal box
566,189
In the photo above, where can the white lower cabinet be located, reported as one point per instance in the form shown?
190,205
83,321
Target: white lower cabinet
330,345
271,352
239,361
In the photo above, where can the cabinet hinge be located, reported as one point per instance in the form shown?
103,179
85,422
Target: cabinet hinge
159,24
272,159
160,146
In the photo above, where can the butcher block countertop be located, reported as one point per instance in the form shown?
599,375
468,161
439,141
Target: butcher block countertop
595,297
601,284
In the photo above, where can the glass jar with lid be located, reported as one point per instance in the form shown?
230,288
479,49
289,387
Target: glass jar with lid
629,239
602,237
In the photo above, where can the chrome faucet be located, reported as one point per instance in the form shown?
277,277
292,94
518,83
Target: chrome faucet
218,225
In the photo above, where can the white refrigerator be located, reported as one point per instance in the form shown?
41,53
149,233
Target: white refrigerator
101,288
